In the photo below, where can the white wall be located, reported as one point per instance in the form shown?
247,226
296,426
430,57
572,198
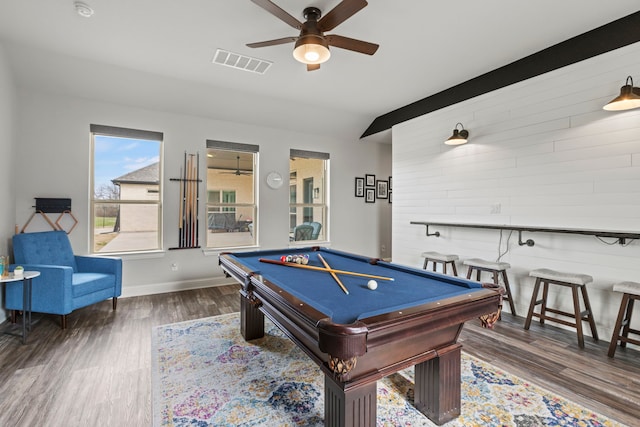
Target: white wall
53,144
7,141
543,153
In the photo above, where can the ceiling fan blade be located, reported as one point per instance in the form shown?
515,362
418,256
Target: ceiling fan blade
279,13
340,13
352,44
313,67
273,42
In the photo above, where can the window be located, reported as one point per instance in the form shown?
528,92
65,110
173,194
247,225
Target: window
231,199
126,186
308,195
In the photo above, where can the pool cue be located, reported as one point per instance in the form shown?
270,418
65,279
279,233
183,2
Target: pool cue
190,230
333,274
197,198
311,267
180,230
184,203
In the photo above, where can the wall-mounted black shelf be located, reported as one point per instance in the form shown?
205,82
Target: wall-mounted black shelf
621,236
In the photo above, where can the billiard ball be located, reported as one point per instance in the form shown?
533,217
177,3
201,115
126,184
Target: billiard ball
372,284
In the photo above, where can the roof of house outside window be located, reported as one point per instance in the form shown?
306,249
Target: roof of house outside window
146,175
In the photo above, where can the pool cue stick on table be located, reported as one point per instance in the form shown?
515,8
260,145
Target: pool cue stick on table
312,267
344,289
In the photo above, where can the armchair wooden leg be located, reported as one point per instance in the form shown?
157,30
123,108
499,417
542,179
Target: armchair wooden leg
63,321
14,316
115,303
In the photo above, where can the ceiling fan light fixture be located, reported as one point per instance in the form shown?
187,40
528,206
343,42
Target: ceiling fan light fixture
628,99
311,49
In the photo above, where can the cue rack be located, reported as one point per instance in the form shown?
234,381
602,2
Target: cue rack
189,183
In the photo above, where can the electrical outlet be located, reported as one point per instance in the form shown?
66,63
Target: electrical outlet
383,248
496,208
174,266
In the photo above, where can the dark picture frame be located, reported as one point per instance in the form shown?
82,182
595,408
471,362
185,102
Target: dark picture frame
359,191
390,194
390,183
382,189
370,195
370,180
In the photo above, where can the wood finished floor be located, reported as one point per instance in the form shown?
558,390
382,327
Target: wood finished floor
97,372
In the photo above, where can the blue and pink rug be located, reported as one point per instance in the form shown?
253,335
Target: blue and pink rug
205,374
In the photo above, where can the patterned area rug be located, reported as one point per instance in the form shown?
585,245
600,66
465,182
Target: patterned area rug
205,374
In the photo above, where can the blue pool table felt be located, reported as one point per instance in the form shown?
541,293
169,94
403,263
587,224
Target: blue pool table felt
410,287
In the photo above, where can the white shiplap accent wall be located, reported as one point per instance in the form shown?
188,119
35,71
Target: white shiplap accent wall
544,153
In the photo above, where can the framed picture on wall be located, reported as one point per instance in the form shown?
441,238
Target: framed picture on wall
370,180
382,189
370,195
359,187
390,193
390,184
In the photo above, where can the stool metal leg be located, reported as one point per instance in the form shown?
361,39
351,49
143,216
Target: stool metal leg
590,319
627,324
453,265
578,315
543,307
512,306
623,316
532,305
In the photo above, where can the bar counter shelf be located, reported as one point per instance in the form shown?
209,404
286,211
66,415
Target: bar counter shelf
621,236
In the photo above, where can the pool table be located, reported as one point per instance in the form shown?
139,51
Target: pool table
359,337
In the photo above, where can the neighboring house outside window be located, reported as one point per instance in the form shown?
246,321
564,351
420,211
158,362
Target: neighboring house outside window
308,196
231,197
127,190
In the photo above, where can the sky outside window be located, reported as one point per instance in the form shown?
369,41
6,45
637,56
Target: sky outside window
116,156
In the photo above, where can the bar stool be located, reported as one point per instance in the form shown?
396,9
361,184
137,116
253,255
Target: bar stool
436,258
573,281
496,269
630,293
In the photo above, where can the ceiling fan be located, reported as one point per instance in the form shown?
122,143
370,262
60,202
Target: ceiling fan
238,172
312,45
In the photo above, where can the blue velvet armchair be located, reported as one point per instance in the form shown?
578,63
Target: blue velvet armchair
66,281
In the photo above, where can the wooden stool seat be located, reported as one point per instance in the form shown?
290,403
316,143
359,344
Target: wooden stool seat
437,258
630,292
496,269
548,277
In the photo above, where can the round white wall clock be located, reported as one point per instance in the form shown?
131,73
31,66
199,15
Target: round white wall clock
274,180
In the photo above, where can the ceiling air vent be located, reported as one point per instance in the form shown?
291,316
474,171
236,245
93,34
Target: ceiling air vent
241,62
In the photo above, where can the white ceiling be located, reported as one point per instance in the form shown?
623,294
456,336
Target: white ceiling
157,54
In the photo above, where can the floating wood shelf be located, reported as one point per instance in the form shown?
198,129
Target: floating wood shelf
621,236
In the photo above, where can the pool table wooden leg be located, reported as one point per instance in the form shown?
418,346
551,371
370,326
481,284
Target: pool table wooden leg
251,318
437,385
354,407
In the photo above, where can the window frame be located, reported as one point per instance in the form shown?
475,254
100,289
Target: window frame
301,210
224,206
94,202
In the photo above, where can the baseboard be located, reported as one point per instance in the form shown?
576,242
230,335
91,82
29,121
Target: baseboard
161,288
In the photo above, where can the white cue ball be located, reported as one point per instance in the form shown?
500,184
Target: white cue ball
372,284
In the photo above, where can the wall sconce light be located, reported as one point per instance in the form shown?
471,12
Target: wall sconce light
629,98
316,193
459,137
